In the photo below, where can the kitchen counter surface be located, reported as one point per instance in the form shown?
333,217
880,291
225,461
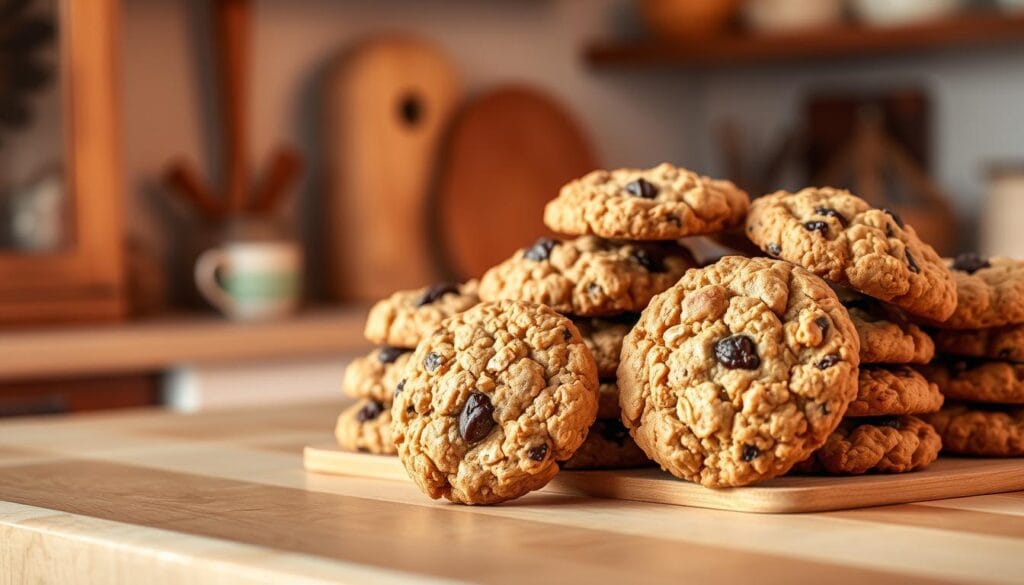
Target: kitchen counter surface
221,497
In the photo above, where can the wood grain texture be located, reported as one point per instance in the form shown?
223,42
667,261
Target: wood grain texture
508,153
169,341
386,105
947,478
212,498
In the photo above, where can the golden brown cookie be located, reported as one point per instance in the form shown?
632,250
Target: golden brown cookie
978,381
587,276
990,292
493,400
893,390
402,319
604,339
885,445
980,430
839,236
366,427
886,336
375,375
998,343
661,203
738,372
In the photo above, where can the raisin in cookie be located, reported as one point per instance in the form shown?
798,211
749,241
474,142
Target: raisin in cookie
979,430
998,343
587,276
375,375
893,390
492,401
604,339
978,381
366,426
738,372
608,444
839,236
990,292
886,336
662,203
886,445
402,319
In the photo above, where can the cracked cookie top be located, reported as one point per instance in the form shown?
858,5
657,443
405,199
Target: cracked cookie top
402,319
661,203
587,276
839,236
492,401
739,371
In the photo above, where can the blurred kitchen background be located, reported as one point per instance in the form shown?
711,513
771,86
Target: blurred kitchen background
200,198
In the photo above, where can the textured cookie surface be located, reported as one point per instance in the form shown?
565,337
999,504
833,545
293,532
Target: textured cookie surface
738,372
978,381
604,339
375,375
662,203
893,390
990,292
839,236
884,445
492,401
972,430
587,276
886,336
998,343
366,426
402,319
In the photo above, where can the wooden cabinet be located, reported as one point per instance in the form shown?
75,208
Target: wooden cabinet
81,278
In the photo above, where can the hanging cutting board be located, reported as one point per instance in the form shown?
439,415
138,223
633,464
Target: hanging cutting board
507,154
387,103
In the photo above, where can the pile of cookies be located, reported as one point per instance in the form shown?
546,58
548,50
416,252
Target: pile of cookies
396,325
981,364
613,348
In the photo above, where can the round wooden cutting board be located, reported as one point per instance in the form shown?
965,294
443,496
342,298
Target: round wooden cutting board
507,154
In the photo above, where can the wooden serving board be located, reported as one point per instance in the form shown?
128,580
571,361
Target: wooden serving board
949,477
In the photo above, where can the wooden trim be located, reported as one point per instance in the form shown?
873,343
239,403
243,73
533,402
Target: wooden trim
87,280
167,342
843,41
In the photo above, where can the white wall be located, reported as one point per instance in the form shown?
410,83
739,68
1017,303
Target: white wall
634,117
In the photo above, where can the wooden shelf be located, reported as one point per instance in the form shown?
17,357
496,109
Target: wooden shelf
848,41
170,341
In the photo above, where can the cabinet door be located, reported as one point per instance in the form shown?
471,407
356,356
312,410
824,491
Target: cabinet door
60,225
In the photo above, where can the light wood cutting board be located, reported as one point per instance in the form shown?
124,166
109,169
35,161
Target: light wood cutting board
949,477
507,154
387,103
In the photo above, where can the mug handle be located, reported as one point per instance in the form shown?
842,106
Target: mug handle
206,279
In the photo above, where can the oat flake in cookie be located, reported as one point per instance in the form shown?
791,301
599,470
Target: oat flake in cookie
662,203
839,236
738,372
587,276
492,401
402,319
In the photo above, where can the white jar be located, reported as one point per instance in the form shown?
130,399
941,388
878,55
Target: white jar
1001,230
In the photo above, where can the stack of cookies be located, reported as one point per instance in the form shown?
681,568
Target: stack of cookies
624,252
396,325
883,272
981,366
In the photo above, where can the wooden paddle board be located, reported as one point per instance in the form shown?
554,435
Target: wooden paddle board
949,477
506,155
387,103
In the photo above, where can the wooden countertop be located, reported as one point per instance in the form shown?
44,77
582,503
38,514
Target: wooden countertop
222,498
